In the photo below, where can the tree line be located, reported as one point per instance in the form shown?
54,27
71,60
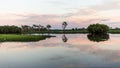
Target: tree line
6,29
26,28
10,29
34,27
92,29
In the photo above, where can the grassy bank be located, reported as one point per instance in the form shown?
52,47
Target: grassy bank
60,32
21,38
113,31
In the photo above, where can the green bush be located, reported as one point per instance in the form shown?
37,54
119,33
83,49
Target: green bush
98,29
98,38
10,30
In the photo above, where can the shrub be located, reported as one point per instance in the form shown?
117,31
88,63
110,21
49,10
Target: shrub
98,29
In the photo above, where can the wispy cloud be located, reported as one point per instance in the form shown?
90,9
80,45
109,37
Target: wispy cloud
107,12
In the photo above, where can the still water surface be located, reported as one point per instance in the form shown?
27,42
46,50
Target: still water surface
62,51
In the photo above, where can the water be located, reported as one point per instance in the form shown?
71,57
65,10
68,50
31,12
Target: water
62,51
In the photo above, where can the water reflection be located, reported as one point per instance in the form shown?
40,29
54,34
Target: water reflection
64,38
94,38
98,38
78,52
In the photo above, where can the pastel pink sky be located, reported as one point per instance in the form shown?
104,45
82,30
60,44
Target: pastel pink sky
78,13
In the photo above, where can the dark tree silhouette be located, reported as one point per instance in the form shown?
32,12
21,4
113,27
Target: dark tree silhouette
98,38
64,38
48,27
64,25
25,28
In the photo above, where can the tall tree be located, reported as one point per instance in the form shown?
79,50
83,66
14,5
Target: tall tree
39,27
25,28
48,27
64,25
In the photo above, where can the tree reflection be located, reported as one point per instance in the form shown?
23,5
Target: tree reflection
98,38
64,38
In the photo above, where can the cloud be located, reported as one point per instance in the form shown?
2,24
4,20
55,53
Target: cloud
107,5
37,18
74,19
106,13
55,2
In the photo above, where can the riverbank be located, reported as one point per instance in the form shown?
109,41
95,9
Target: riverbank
58,32
82,31
21,38
114,31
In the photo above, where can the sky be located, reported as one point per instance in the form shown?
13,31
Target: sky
77,13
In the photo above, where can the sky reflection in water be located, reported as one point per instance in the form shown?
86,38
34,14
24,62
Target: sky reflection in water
76,52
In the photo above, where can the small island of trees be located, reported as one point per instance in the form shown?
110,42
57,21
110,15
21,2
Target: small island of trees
98,29
98,32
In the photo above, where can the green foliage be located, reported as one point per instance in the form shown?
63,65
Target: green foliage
10,30
21,38
98,29
114,31
58,31
98,38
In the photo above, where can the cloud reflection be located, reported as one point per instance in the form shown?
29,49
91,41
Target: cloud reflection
77,45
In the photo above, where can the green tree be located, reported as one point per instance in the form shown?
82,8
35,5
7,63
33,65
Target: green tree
98,29
10,30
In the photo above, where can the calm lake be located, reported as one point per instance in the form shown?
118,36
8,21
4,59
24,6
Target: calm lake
62,51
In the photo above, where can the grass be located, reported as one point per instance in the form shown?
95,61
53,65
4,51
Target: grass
68,31
60,32
114,31
21,38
